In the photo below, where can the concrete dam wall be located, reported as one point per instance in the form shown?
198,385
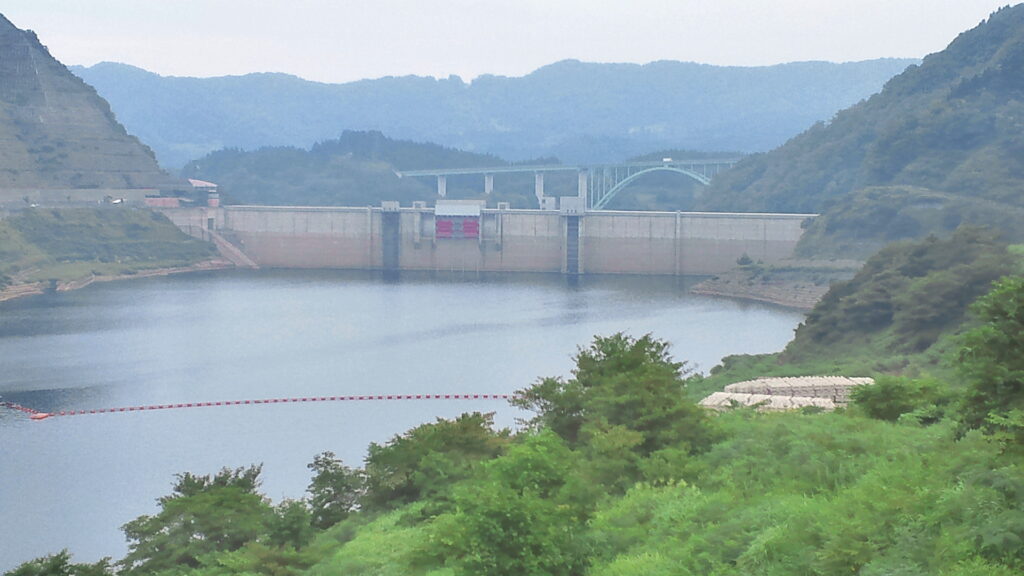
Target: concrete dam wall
498,240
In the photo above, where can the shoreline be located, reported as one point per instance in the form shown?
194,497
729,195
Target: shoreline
789,295
26,289
797,284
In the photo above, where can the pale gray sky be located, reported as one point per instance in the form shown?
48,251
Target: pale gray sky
344,40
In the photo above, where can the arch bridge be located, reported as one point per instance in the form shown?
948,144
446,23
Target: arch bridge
598,184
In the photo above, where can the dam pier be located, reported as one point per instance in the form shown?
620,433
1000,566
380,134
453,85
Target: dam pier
464,236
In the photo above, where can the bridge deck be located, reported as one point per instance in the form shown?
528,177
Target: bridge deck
511,169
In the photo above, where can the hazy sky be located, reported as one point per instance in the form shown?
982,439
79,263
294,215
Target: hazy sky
343,40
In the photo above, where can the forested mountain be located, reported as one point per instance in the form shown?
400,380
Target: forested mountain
55,131
904,300
358,169
573,110
942,144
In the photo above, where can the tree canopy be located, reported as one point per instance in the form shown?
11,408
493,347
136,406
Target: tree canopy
625,402
992,362
202,515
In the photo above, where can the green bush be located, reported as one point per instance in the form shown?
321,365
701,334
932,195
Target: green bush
891,397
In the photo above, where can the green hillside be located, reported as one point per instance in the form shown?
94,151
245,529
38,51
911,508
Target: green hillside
899,314
941,145
358,169
56,132
66,244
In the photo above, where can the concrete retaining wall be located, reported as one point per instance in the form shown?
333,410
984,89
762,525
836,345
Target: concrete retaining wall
307,237
669,243
684,242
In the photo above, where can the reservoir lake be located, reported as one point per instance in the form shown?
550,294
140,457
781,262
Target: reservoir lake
71,482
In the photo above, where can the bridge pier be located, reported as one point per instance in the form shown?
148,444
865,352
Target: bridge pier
598,183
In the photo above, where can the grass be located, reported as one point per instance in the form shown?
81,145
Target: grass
67,244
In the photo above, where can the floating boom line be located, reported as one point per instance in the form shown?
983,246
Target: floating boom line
39,415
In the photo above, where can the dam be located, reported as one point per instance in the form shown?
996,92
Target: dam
464,236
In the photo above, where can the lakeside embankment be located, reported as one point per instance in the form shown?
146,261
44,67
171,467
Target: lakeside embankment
796,284
782,286
796,295
48,249
20,290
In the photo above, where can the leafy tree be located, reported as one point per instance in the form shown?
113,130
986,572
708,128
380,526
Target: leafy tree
611,455
559,406
992,361
891,397
59,564
204,514
524,516
291,525
334,491
425,461
254,559
620,384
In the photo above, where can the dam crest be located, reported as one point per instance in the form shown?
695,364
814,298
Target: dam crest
464,236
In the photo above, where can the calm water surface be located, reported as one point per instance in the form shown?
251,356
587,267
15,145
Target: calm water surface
72,482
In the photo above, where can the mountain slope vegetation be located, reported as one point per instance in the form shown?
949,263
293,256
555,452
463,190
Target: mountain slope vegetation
359,169
941,145
901,314
56,132
71,243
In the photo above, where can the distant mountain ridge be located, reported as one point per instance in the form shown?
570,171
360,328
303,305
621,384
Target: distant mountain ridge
941,145
56,132
573,110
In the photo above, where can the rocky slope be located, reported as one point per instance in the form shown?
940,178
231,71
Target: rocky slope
56,132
